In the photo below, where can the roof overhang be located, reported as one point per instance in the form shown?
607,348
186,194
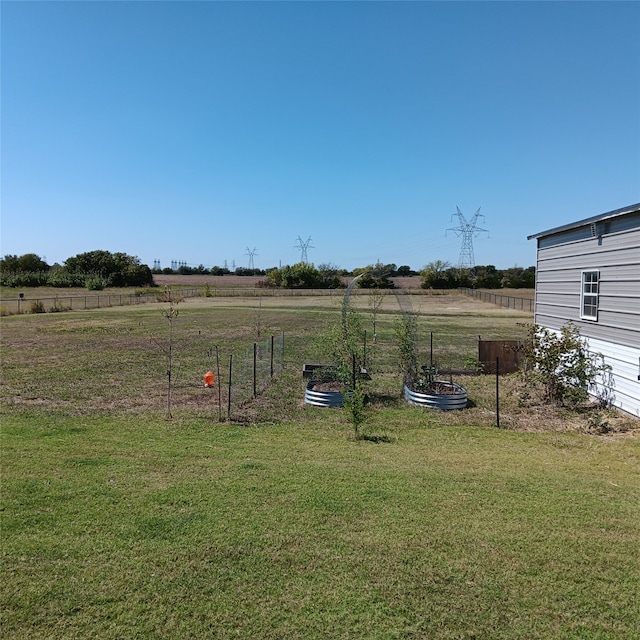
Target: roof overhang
587,221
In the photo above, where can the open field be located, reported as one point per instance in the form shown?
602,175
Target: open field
119,523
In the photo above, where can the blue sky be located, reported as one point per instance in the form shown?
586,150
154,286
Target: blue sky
196,131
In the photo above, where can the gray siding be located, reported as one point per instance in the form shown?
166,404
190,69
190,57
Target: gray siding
615,254
558,286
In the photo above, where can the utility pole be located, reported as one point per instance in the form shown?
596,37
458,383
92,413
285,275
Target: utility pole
304,245
468,230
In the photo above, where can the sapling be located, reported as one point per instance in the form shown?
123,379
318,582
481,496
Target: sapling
170,312
376,298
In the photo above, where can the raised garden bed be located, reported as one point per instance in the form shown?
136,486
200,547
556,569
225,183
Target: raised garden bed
438,394
324,393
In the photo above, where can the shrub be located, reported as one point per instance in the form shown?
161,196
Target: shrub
61,278
302,276
30,279
95,283
37,307
57,307
562,365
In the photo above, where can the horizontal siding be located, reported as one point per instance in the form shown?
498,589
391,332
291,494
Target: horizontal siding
625,365
611,281
552,271
559,281
625,336
618,243
622,387
612,313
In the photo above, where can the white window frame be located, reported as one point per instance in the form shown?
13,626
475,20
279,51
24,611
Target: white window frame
589,294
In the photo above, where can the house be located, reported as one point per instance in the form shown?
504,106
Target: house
588,273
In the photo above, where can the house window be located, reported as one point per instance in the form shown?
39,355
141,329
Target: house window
589,298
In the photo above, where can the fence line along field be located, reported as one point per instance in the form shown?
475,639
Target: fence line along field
118,522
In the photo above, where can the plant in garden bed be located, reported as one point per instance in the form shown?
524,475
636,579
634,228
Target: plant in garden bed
343,346
406,329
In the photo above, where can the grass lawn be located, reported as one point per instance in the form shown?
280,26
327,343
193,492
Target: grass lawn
118,523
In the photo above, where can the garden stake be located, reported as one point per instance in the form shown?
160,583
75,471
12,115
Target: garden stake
498,393
255,355
229,395
219,386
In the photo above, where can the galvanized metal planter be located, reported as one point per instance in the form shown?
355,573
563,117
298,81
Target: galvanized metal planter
322,398
444,401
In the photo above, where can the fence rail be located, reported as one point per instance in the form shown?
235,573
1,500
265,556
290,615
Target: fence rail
97,301
40,304
510,302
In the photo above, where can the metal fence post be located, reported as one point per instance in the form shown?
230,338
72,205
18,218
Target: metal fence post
255,359
229,390
271,367
498,393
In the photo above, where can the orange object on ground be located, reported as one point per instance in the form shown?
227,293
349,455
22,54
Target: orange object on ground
209,379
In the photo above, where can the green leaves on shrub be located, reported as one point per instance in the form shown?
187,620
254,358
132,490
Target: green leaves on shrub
562,365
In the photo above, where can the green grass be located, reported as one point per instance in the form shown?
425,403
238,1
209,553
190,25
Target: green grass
118,523
140,528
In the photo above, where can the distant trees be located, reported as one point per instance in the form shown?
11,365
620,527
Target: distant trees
435,275
405,270
245,271
22,264
99,269
441,275
303,276
115,269
376,276
95,270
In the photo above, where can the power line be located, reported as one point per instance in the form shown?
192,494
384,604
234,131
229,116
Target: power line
304,245
251,254
468,230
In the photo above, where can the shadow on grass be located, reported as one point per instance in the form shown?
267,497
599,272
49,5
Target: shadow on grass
375,438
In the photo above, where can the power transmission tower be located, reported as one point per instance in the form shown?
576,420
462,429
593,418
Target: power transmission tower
468,230
251,254
304,245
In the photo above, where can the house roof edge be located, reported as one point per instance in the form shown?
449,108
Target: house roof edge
599,218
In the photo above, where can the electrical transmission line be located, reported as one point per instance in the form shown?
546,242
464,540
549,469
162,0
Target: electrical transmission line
304,245
468,230
251,254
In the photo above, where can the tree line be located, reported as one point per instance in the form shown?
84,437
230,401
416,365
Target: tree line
94,270
99,269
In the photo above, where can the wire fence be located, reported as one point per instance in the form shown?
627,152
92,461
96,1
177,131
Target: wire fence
79,302
222,383
46,304
250,373
510,302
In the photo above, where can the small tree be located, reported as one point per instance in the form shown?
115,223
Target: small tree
342,344
376,298
170,312
354,404
406,330
562,365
